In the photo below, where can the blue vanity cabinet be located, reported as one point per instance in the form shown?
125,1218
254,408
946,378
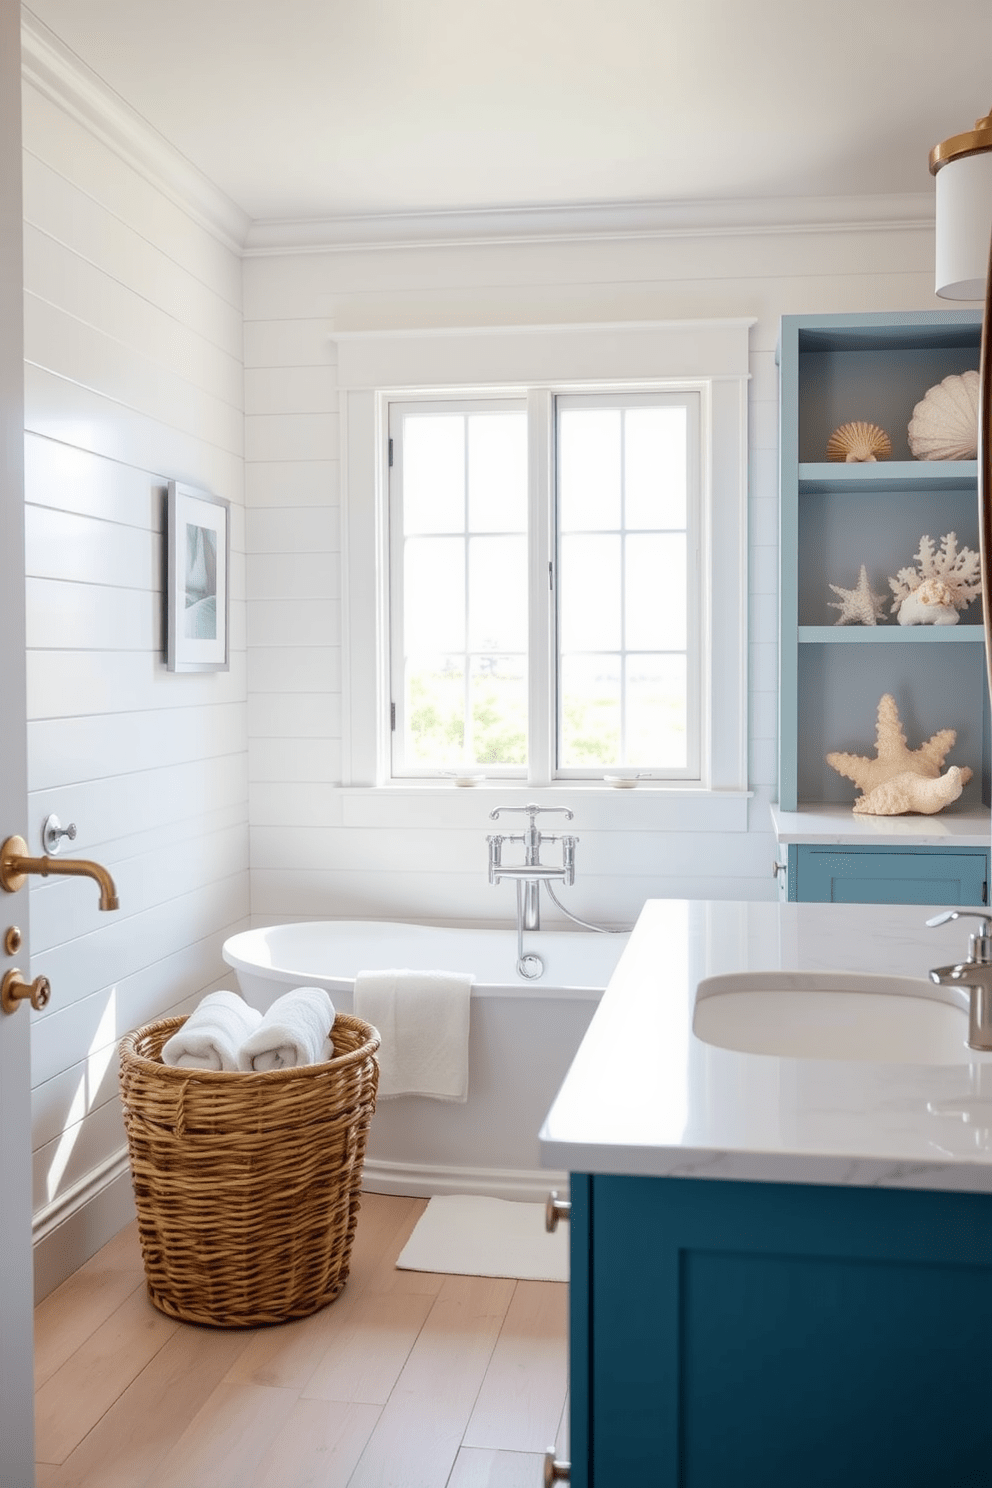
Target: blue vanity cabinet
778,1335
860,874
836,517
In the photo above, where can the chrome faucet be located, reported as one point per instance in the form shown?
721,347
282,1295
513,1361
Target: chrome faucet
974,975
530,874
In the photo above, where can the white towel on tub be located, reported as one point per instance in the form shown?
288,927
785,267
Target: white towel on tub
423,1019
212,1034
296,1030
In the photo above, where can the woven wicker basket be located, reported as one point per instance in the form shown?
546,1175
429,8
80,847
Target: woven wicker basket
247,1185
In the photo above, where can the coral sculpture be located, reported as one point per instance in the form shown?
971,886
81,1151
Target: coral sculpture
859,443
894,761
858,606
910,794
943,582
944,425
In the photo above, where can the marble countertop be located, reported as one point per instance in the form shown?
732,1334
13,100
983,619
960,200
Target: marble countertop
956,826
645,1096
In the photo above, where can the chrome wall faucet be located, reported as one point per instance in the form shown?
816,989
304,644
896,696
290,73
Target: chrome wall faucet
529,875
974,974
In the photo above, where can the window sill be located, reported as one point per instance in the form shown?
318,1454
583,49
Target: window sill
662,807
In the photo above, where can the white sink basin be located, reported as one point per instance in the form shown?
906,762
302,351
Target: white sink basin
834,1015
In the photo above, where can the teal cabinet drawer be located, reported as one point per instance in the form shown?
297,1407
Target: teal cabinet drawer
888,875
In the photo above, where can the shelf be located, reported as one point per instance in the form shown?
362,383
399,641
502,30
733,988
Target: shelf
825,477
890,635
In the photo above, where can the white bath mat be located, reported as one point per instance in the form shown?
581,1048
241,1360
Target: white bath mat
469,1236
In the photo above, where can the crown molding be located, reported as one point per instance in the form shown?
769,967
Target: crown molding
598,221
61,76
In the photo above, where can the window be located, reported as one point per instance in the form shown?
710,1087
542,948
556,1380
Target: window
616,607
628,654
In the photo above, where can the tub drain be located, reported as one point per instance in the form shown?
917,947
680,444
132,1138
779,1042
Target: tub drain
530,967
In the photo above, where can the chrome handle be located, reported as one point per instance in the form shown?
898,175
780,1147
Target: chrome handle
554,1210
555,1471
53,833
778,868
532,810
980,941
14,990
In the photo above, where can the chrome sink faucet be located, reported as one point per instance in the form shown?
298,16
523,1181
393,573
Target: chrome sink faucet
528,876
975,975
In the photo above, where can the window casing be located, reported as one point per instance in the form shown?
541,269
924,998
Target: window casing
711,358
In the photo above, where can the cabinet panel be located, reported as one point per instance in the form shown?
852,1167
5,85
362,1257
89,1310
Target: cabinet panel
832,875
762,1334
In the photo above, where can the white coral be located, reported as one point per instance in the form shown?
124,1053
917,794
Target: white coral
958,572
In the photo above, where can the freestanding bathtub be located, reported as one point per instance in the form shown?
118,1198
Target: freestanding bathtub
523,1037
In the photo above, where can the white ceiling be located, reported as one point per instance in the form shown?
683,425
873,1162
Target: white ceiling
313,109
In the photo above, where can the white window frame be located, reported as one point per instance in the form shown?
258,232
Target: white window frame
709,356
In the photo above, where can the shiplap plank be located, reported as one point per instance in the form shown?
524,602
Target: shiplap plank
70,149
290,343
65,751
285,804
292,436
280,483
64,545
293,530
74,480
294,622
287,715
291,390
67,684
302,575
55,204
90,617
155,991
293,759
89,356
310,669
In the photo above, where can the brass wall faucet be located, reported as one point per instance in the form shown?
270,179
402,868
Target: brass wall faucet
15,866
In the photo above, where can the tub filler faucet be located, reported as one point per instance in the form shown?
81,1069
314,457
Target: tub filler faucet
973,976
529,875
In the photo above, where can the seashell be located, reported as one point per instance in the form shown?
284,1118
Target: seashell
944,425
858,443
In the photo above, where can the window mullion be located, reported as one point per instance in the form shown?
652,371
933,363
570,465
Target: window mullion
542,594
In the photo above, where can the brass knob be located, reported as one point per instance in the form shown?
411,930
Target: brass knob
14,990
555,1471
554,1210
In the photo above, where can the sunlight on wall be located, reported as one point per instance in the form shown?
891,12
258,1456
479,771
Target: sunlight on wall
101,1051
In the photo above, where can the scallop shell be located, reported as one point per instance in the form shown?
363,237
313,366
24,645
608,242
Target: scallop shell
944,425
858,443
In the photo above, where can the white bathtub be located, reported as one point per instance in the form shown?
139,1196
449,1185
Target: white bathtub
523,1038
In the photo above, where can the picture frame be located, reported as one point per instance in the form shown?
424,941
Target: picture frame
197,610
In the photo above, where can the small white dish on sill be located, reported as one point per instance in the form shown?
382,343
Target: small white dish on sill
620,782
465,781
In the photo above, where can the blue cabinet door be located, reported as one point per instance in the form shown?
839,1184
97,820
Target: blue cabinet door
777,1335
888,875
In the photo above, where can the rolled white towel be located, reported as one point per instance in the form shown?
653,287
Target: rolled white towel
212,1034
295,1030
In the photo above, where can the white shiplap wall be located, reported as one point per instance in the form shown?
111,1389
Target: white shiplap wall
134,375
320,851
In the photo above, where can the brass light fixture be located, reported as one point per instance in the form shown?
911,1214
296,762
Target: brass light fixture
963,259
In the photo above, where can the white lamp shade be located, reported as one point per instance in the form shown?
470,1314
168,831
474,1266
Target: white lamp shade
964,226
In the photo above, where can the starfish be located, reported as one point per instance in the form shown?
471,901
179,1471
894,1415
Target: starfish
858,606
892,756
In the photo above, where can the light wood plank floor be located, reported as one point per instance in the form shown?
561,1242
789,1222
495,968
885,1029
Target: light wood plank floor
408,1379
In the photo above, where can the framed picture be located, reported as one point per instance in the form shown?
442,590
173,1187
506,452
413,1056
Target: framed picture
199,555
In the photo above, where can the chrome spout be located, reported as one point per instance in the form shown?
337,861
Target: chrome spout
15,866
973,976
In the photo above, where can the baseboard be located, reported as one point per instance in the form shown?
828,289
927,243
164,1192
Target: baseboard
425,1180
74,1226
